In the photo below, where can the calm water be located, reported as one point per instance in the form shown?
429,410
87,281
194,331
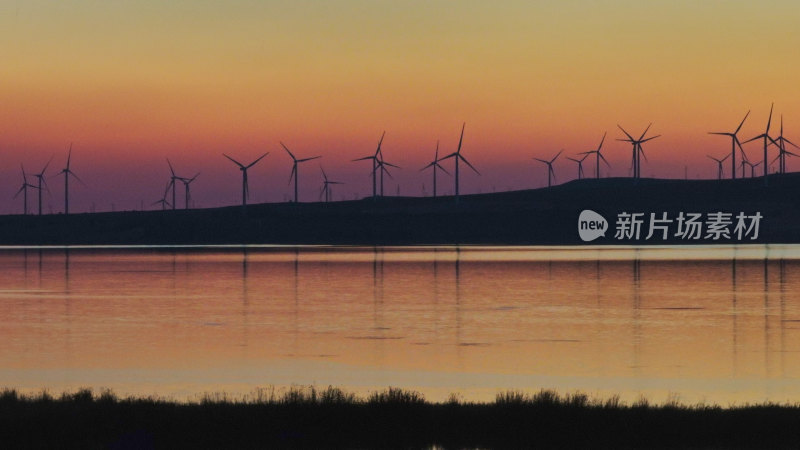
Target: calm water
717,324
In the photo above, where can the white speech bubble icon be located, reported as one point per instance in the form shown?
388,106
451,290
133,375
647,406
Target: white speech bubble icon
591,225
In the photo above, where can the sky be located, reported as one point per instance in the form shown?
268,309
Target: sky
131,83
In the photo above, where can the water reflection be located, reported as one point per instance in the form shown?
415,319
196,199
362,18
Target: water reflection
441,319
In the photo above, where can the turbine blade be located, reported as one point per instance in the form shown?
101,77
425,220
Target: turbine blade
287,151
601,141
234,161
291,175
461,139
69,155
626,133
769,122
753,139
45,166
470,165
554,157
604,159
790,142
378,150
170,167
308,159
442,168
69,172
742,122
259,159
645,131
431,164
649,139
366,157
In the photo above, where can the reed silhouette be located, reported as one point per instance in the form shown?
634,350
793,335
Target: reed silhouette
306,417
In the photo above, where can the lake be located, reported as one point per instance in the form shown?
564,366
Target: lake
701,324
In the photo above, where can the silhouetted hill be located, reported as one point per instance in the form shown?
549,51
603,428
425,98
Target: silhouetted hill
539,216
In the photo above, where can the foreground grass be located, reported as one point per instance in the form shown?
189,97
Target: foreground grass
307,417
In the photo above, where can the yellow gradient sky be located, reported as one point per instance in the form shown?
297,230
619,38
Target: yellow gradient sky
133,82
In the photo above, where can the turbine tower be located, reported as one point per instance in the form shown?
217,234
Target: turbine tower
243,168
719,165
457,155
550,171
435,165
375,159
67,172
637,149
734,143
295,174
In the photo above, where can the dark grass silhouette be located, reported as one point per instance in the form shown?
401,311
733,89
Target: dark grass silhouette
306,417
544,216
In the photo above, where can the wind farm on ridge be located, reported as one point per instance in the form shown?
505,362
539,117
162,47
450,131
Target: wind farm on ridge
775,150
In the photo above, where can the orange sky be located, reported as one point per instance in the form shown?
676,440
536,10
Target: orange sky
131,83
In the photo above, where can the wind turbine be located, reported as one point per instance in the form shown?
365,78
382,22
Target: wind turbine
24,189
753,168
580,165
326,186
767,138
719,165
734,143
243,168
295,174
375,159
382,167
186,183
435,165
550,171
457,155
67,172
782,149
40,176
163,202
598,157
171,184
637,149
